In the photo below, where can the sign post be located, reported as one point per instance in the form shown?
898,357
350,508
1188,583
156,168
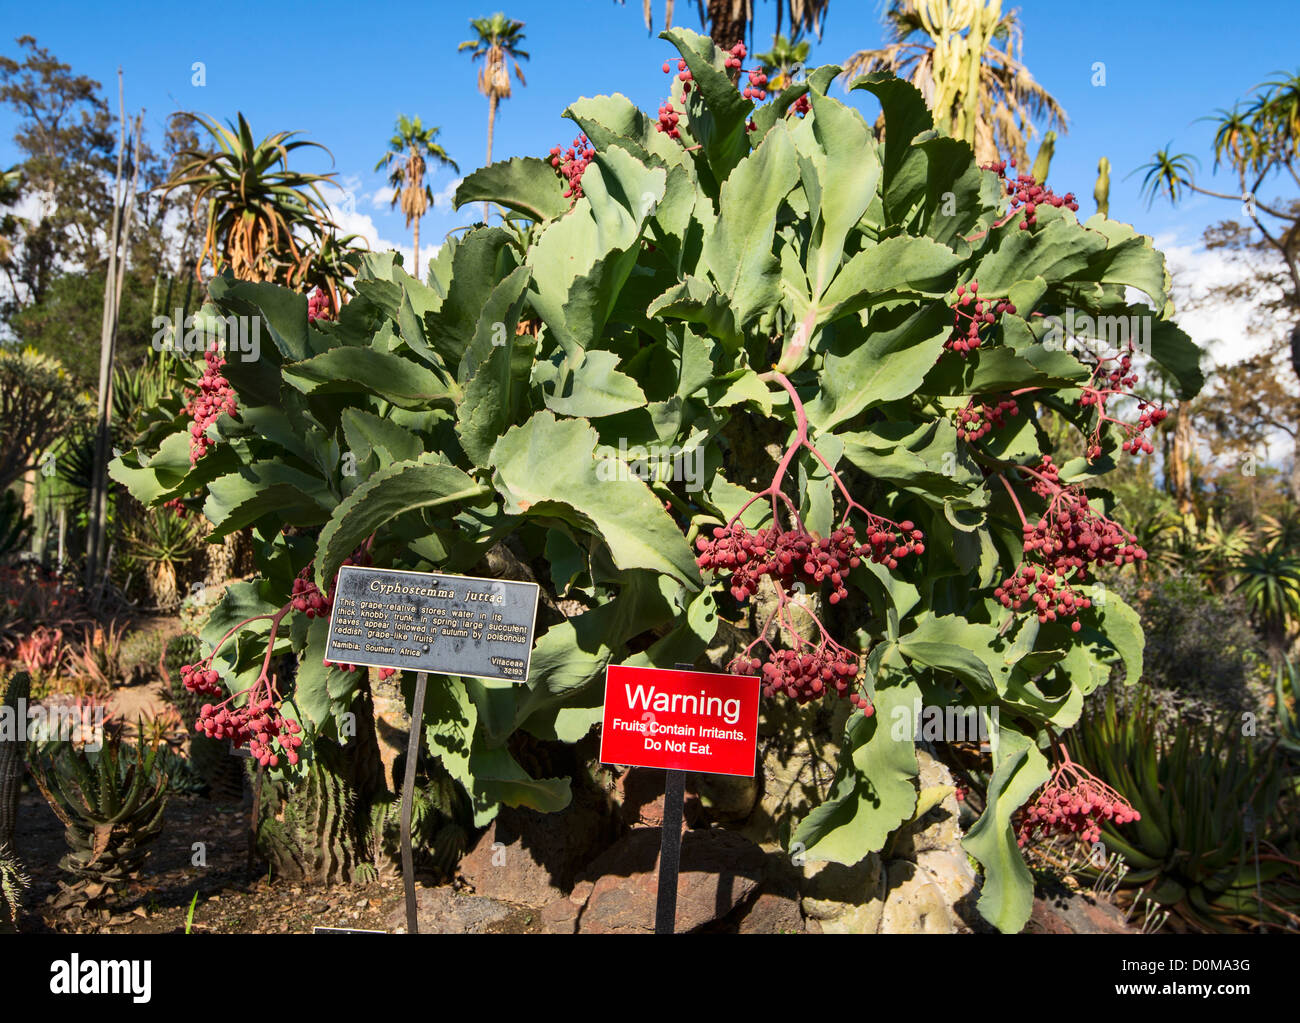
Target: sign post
428,622
678,720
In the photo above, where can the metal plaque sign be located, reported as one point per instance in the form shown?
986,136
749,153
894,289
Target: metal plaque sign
705,722
422,621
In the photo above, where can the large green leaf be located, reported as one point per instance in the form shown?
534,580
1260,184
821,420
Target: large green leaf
399,488
1007,896
873,792
548,467
495,369
369,371
738,251
522,184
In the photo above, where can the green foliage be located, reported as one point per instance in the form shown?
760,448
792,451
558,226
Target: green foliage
1217,822
110,803
483,411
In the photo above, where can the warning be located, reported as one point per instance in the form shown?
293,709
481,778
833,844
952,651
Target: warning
680,720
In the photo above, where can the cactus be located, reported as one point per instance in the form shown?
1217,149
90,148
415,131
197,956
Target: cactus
438,833
13,752
1102,190
308,830
13,882
111,806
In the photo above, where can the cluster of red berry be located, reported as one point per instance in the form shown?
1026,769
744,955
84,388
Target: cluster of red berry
970,314
1074,802
319,306
258,723
790,556
1027,194
1109,383
569,164
1066,542
978,419
215,396
806,674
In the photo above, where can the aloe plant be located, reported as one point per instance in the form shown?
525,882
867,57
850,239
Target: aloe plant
1215,840
111,806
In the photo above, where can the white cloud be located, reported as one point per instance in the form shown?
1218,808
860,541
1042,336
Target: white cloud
383,197
442,199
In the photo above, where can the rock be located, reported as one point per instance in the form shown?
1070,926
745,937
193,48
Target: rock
797,759
914,904
773,914
722,798
719,871
1076,913
640,794
442,911
950,870
938,827
531,858
844,899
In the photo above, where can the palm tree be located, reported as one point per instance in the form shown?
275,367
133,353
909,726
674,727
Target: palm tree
783,61
406,158
729,20
977,90
262,218
496,42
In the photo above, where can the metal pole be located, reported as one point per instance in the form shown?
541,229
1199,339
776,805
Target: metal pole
670,845
408,798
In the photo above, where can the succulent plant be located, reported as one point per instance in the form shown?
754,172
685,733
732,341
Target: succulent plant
13,882
111,805
1214,840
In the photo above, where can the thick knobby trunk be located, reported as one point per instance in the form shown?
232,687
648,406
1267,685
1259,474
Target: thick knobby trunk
724,29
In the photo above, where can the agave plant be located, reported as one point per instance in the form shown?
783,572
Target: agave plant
261,216
111,806
1205,797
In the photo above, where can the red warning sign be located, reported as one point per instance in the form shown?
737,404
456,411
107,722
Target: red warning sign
680,720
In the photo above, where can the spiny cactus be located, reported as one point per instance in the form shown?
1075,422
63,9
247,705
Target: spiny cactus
438,833
111,805
13,753
13,882
309,830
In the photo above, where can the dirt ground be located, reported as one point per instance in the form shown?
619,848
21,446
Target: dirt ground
230,900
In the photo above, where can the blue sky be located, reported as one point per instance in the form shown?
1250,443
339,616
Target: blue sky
341,72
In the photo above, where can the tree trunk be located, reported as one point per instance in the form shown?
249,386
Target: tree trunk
1180,470
416,264
492,122
727,22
